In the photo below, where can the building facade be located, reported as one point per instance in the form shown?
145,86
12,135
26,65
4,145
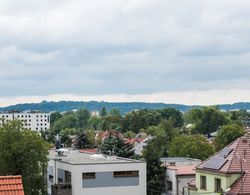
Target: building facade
32,121
226,172
81,173
178,172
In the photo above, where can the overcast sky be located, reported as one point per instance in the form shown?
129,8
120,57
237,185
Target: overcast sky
173,51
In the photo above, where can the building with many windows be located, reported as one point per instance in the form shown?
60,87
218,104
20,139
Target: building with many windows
32,121
75,173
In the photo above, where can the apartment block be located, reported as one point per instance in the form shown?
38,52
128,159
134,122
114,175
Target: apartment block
32,121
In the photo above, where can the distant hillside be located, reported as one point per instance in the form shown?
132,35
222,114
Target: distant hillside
124,107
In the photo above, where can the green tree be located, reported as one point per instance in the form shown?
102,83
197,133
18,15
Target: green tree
206,120
112,122
227,134
54,117
83,117
65,136
173,113
82,141
115,112
115,144
158,147
94,122
155,173
129,134
103,112
193,146
23,152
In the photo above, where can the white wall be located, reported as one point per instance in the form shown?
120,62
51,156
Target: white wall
33,121
76,178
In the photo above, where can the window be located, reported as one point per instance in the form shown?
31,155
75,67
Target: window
90,175
217,185
51,178
67,177
60,180
203,182
169,185
126,174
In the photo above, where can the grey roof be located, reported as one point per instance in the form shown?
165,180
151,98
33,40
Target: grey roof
78,158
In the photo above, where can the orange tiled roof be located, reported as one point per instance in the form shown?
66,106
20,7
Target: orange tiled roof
89,151
183,170
11,185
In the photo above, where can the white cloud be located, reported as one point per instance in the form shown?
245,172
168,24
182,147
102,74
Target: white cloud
90,48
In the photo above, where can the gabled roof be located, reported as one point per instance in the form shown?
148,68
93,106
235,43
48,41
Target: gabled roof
241,186
234,158
11,185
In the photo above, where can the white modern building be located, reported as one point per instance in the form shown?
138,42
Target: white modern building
76,173
32,121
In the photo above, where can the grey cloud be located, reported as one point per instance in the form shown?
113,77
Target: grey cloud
120,46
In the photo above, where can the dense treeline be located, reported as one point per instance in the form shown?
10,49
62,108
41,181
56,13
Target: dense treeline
175,134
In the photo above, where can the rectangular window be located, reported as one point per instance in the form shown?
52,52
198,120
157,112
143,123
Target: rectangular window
203,182
90,175
217,185
126,174
169,185
51,178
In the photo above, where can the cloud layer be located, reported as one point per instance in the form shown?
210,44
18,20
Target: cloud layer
93,48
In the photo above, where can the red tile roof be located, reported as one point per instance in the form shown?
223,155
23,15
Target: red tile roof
237,161
183,170
241,186
11,185
89,151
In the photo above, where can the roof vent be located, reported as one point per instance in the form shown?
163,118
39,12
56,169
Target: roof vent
244,140
96,157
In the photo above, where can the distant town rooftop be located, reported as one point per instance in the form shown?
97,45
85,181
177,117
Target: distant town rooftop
76,157
178,159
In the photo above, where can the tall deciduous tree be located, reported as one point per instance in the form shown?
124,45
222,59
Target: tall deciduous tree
193,146
23,152
227,134
206,120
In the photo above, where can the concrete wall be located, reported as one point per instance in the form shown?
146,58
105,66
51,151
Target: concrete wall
134,186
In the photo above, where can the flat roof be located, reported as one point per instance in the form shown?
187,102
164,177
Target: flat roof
76,157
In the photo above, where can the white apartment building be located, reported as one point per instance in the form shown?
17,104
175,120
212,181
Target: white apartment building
32,121
78,173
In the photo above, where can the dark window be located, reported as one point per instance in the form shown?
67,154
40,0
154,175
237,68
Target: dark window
51,178
126,173
169,185
203,182
90,175
60,180
217,185
67,177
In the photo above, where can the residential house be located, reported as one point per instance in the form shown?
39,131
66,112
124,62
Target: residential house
178,172
226,172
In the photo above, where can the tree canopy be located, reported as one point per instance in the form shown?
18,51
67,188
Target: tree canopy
193,146
23,152
227,134
116,145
